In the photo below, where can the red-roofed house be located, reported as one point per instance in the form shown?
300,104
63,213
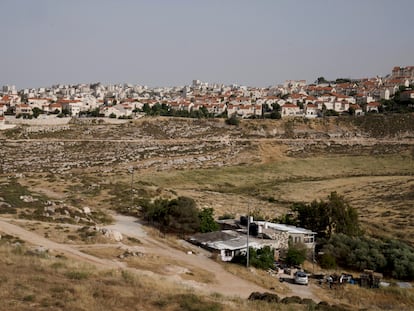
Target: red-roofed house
38,102
289,109
357,109
311,111
373,107
55,108
74,106
23,110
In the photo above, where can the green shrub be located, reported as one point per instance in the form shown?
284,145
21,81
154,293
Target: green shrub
327,261
390,257
77,275
233,120
262,258
296,254
191,302
227,216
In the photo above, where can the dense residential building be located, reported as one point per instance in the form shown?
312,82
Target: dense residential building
294,98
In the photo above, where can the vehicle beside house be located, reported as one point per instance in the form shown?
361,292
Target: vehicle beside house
233,241
301,278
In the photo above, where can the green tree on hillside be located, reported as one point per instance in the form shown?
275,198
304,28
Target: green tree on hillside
296,254
327,217
36,112
207,222
179,215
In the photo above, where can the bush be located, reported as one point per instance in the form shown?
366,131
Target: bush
262,258
296,254
233,120
392,258
327,261
191,302
227,216
207,222
77,275
268,297
178,215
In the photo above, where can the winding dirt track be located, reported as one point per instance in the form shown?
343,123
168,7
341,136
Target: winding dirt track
225,282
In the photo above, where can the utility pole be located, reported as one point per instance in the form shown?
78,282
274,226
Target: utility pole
248,229
132,186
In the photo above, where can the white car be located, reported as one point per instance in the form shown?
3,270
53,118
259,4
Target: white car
301,278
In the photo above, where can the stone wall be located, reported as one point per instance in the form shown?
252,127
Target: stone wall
40,121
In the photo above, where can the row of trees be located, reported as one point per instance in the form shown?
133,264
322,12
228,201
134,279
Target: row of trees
391,257
164,110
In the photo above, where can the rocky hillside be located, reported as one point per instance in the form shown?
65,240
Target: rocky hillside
173,143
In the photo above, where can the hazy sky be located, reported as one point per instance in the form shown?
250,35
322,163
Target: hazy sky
172,42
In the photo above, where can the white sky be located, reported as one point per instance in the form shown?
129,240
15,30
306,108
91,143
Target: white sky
172,42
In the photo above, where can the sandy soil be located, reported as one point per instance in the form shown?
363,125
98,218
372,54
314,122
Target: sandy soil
225,283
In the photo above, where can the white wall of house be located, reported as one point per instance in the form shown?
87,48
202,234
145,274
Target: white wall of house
75,108
311,113
227,255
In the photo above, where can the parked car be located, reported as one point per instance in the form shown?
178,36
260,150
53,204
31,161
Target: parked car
301,278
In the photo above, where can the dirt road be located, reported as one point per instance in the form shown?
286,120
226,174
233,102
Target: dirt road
69,251
225,283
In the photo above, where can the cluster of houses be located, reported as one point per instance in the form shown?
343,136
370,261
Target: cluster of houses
234,239
293,98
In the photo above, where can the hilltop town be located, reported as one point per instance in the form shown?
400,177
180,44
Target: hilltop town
107,188
200,99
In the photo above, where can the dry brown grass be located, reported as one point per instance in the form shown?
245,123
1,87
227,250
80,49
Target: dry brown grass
61,233
167,266
30,282
391,298
380,188
104,252
259,277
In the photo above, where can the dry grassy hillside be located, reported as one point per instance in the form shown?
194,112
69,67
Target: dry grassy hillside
52,173
262,164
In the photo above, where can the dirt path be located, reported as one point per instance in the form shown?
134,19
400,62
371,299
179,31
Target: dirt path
69,251
225,283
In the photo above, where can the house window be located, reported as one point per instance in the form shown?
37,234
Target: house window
308,239
297,239
228,253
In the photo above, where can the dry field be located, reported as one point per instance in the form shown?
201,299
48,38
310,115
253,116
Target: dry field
381,188
31,282
261,166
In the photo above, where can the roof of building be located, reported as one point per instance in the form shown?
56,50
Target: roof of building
285,228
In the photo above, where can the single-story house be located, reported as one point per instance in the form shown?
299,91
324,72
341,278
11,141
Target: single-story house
226,244
229,243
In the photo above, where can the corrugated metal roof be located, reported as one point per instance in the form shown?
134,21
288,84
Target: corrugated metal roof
285,228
